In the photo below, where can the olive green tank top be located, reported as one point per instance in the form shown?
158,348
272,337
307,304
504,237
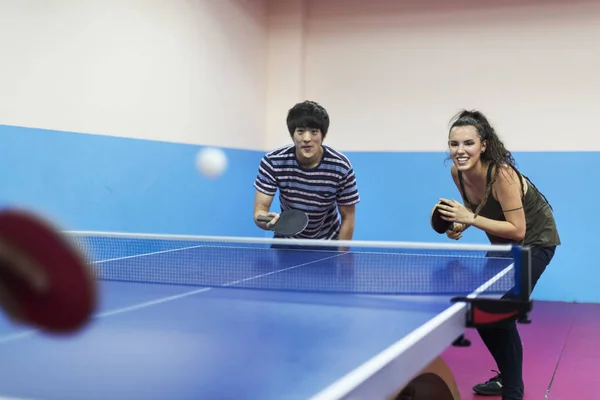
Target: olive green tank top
540,224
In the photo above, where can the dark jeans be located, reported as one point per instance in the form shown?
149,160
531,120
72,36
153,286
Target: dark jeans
503,339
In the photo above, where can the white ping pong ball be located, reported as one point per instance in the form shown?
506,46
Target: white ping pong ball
211,162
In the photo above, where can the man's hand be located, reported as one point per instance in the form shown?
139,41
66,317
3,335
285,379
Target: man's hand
267,225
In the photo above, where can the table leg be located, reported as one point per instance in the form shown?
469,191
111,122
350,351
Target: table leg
434,382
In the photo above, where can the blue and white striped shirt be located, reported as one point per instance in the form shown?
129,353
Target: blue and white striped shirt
316,191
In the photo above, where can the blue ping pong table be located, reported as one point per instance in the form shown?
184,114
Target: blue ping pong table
201,318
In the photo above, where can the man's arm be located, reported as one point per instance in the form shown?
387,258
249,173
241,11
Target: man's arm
347,199
347,226
266,187
262,205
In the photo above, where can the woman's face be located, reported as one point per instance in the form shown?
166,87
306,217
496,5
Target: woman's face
465,147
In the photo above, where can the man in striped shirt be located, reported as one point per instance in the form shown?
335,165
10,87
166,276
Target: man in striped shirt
310,177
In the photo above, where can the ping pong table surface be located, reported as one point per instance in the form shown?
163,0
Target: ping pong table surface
162,339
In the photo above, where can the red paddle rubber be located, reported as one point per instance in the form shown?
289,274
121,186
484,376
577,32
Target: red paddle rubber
67,303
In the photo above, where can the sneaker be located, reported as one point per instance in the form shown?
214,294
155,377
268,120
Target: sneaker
493,387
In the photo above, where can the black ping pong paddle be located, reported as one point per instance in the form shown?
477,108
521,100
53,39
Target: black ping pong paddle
439,224
290,222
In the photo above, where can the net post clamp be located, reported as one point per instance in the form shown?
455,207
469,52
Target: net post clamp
486,311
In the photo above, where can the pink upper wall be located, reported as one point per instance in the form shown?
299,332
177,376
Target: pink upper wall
393,73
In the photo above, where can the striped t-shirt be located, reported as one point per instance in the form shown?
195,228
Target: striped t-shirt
316,191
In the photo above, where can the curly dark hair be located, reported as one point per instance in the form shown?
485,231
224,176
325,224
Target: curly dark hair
495,151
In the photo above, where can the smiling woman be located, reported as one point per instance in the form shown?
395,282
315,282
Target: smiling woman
507,206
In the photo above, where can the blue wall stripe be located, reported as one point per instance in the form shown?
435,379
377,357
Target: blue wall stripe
94,182
415,181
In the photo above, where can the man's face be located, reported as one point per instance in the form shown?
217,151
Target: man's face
308,143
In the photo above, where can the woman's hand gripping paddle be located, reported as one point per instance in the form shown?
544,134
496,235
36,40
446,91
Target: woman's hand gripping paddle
439,224
44,281
290,222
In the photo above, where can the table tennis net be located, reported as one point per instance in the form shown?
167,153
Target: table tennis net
368,269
